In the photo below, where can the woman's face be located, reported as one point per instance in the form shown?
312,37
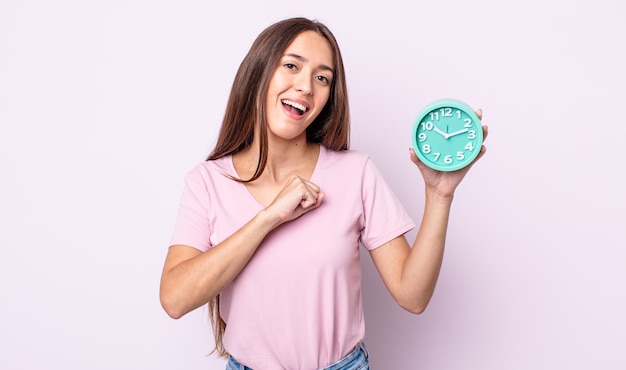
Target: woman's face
300,86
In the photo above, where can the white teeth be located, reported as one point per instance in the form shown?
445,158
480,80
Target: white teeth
300,107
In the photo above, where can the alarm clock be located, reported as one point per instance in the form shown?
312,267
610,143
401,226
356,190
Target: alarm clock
447,135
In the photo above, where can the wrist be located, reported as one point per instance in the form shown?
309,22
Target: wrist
267,219
433,191
437,197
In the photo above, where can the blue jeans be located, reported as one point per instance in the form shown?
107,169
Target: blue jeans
355,360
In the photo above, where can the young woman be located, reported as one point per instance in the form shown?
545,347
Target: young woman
269,227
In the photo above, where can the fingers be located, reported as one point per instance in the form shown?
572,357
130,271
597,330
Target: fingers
297,197
311,194
479,113
418,162
310,206
483,150
414,157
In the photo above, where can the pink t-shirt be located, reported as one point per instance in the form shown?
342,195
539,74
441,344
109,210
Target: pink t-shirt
297,304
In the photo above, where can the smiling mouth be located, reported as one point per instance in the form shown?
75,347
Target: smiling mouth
294,107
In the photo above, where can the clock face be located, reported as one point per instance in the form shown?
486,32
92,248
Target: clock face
447,135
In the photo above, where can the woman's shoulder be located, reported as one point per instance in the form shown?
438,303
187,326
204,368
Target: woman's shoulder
343,164
210,168
349,156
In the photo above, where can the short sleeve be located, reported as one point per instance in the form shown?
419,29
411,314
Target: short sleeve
192,227
384,217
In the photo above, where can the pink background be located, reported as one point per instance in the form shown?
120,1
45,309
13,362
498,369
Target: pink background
104,105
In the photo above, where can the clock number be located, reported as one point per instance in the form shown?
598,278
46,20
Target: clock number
447,159
422,136
426,148
434,116
458,114
446,112
469,147
460,156
437,155
468,123
428,126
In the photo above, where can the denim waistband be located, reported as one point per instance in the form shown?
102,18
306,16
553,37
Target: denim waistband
356,359
351,359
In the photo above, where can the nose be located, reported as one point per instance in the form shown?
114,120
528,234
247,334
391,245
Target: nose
303,83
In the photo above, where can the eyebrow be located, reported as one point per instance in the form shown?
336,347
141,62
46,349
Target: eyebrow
301,58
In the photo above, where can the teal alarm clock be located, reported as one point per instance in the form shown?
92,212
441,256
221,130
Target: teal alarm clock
447,135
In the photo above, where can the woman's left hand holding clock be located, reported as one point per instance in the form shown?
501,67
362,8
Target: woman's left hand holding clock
443,184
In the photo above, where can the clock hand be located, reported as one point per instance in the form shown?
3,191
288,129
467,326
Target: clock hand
458,132
437,130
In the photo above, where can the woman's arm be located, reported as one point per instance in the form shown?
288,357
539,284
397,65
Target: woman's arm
411,274
192,278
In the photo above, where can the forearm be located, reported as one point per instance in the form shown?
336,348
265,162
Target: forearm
188,283
423,264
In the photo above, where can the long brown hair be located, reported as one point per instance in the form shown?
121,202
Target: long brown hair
246,104
246,109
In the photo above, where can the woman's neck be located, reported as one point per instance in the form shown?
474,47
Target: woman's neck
283,159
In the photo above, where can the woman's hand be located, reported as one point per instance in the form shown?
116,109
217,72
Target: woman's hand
297,197
445,183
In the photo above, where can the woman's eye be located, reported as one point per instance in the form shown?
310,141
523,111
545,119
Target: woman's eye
323,79
290,66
